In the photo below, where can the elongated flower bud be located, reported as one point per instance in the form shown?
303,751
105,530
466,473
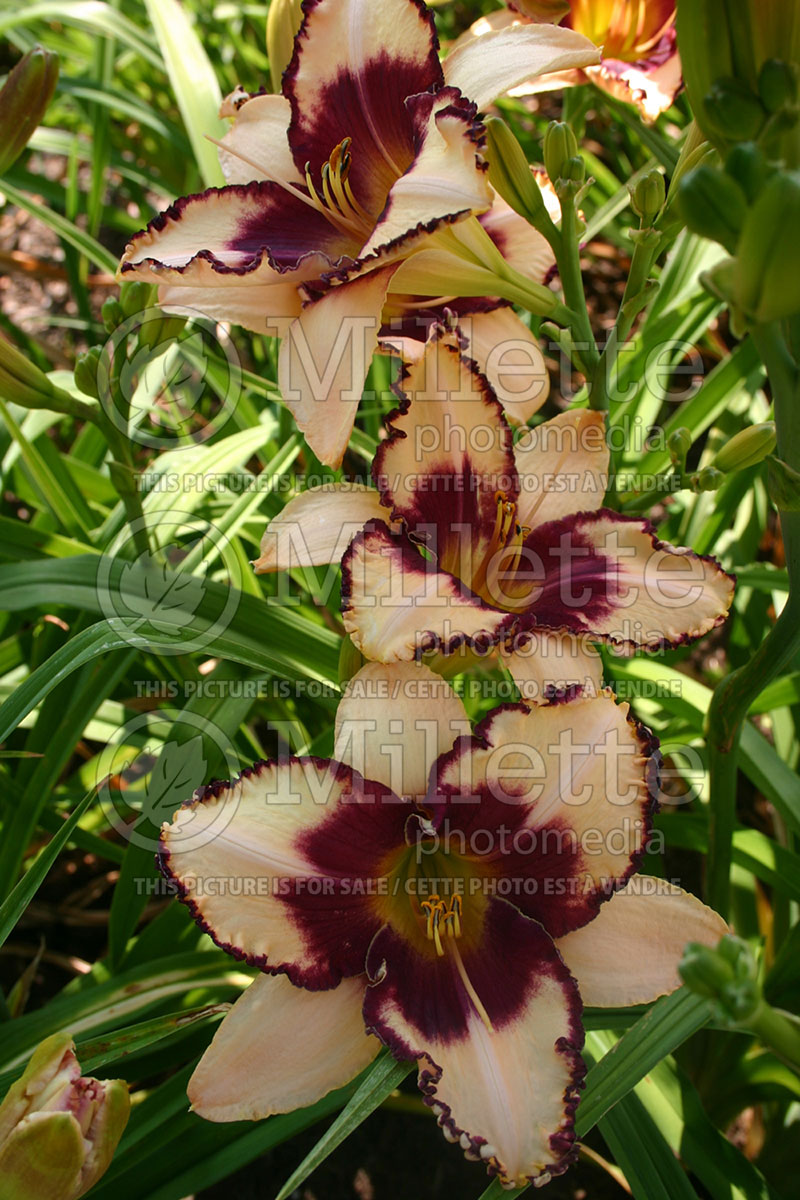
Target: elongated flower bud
560,146
648,195
510,174
734,111
86,371
748,165
58,1131
21,381
134,297
24,99
713,205
284,18
777,84
768,253
746,448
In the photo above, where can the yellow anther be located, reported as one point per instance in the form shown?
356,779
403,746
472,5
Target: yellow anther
337,202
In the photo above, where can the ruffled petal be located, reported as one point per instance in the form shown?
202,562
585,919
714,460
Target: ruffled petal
354,65
324,360
629,953
506,1094
488,66
609,577
281,1048
257,144
651,87
446,180
317,526
393,722
562,466
565,792
397,605
260,864
448,454
257,232
549,665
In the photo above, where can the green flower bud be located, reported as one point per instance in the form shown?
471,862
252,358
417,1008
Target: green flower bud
58,1131
713,205
727,975
284,18
679,443
134,297
21,381
156,330
734,111
574,170
777,84
24,99
510,174
746,448
559,146
86,371
112,314
704,971
748,166
768,253
715,43
783,485
707,480
648,195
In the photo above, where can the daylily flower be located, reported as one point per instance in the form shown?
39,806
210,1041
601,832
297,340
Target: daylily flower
467,540
640,59
58,1131
453,904
371,153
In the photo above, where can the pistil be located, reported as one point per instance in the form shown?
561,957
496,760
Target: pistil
504,549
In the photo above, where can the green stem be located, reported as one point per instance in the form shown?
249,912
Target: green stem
735,693
569,267
778,1032
647,243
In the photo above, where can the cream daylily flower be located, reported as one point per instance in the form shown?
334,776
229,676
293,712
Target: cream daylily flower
470,541
640,61
446,903
371,153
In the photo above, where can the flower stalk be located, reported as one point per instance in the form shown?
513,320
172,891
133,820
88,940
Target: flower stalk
735,693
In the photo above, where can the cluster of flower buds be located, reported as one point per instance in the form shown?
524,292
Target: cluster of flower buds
24,98
753,210
740,67
58,1130
727,975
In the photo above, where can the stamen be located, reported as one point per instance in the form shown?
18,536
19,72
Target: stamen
436,937
441,913
503,536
